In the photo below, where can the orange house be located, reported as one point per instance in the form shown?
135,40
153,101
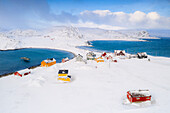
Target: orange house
48,62
100,59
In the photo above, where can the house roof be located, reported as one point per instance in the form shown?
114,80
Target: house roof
79,55
49,60
100,58
24,71
63,72
139,93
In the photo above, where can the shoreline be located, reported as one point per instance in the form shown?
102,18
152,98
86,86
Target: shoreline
76,47
136,39
100,51
116,40
32,67
131,39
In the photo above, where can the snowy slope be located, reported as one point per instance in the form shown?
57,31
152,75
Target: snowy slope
92,90
8,43
95,87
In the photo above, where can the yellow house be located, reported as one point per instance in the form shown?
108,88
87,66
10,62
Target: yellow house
67,79
100,59
63,76
48,62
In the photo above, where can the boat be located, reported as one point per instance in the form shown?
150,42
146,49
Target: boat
25,59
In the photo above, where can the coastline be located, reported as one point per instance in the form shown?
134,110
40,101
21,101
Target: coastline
32,67
131,39
117,40
71,51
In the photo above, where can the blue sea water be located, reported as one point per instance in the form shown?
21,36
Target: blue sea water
10,60
154,47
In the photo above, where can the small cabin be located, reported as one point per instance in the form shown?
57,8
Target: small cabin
63,76
100,59
49,62
109,57
114,60
142,55
90,56
104,54
22,72
119,52
79,58
138,95
65,59
132,56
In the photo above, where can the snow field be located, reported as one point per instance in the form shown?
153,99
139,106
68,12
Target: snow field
92,90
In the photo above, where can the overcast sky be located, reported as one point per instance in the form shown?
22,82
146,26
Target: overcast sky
109,14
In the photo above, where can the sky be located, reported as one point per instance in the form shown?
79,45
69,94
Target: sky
107,14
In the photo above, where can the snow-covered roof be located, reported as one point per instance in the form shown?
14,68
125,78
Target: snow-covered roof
142,53
24,71
63,72
49,60
140,93
118,51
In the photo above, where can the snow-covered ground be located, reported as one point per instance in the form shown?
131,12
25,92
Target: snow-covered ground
95,87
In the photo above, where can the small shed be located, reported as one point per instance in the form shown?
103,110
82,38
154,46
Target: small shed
63,76
90,56
132,56
119,52
22,72
79,58
138,95
104,54
114,60
65,59
100,59
142,55
109,57
49,62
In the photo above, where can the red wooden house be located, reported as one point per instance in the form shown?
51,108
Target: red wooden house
22,72
138,95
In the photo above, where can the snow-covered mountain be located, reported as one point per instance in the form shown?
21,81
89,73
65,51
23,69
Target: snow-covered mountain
66,36
8,43
23,33
94,33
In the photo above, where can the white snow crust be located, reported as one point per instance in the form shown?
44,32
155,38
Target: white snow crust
95,87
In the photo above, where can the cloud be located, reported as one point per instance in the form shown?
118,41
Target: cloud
37,14
93,25
153,16
30,13
136,20
137,17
